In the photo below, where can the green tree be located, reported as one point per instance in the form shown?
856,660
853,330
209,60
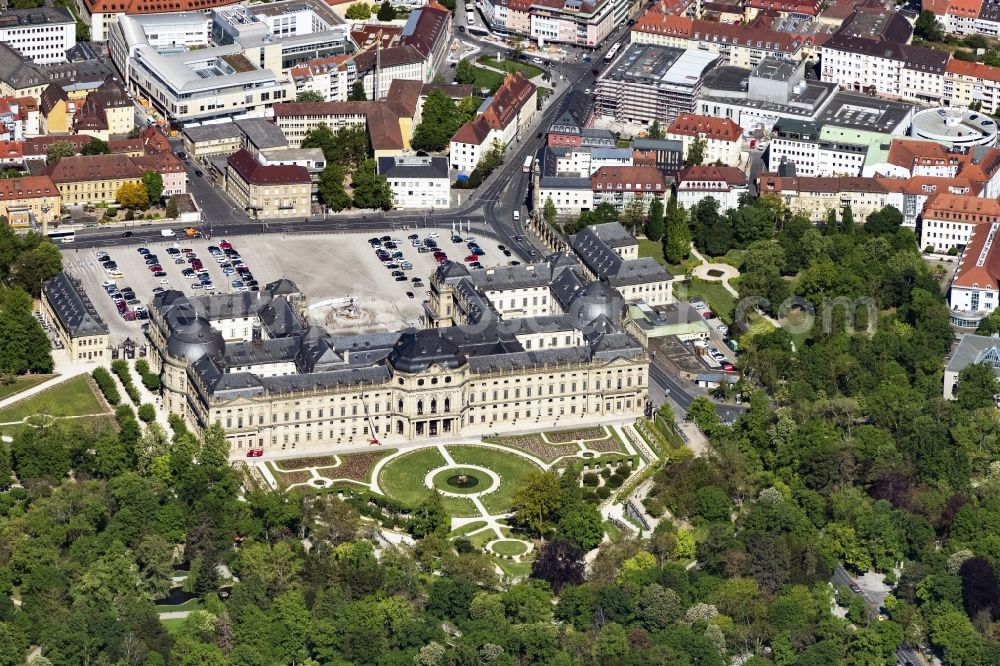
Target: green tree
537,501
172,212
656,130
439,120
59,150
847,220
153,182
34,266
977,386
386,12
331,188
430,517
549,212
655,225
677,239
658,607
703,413
95,147
370,189
147,412
582,524
215,447
928,27
695,152
357,93
359,11
465,72
310,96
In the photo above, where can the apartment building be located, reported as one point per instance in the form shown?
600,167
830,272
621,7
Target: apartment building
725,184
897,70
974,291
106,112
815,197
609,253
722,137
623,187
966,17
42,34
83,333
268,192
417,182
499,121
948,220
587,23
818,150
972,84
32,201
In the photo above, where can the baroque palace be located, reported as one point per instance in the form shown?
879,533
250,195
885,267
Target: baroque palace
518,347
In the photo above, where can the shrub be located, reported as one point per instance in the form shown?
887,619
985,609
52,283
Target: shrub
147,412
615,481
603,492
107,385
150,380
606,472
591,479
589,495
110,212
120,368
654,507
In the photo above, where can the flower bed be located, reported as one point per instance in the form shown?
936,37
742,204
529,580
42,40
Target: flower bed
286,479
356,466
289,464
563,436
609,445
534,445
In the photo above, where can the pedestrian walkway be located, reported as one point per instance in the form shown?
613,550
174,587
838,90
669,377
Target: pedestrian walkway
719,272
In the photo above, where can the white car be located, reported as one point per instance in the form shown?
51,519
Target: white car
432,234
722,328
537,61
164,280
587,91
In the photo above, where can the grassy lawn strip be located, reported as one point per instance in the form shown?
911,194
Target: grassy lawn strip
459,508
487,79
193,604
74,397
529,71
480,539
511,468
719,300
403,478
509,548
22,384
654,249
174,625
611,530
515,569
467,529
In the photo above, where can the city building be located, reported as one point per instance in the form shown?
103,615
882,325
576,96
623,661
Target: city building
107,13
32,201
887,68
954,127
428,29
569,194
948,220
971,349
268,192
725,184
83,333
93,179
721,136
667,155
610,254
910,195
420,182
974,291
966,17
498,121
260,134
19,77
627,186
56,110
573,125
587,23
814,197
106,112
43,34
251,363
648,83
818,150
967,84
212,139
170,169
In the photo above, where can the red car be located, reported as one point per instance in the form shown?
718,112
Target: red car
225,245
728,367
472,257
707,314
441,259
128,315
255,453
155,268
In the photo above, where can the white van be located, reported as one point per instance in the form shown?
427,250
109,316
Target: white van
517,216
167,233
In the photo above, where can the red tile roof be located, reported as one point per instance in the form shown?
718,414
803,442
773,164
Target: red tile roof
255,173
961,208
506,103
976,70
152,6
712,127
29,187
83,168
929,185
730,174
977,268
431,26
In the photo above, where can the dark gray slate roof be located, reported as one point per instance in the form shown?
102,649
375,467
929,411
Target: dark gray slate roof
413,167
975,349
76,313
595,247
262,133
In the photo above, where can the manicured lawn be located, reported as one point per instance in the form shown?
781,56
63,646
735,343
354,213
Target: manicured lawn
654,249
611,530
73,397
21,384
174,625
509,548
487,79
529,71
515,569
403,478
734,258
458,507
480,539
468,529
511,469
719,300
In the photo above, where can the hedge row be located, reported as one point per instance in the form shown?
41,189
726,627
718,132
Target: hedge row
107,385
150,380
120,368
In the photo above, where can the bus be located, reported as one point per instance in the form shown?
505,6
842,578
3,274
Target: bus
529,162
62,236
612,52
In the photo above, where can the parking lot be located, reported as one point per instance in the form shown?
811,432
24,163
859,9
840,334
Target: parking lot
347,287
